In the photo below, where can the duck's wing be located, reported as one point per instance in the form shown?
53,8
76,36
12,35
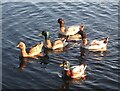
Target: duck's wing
94,42
75,69
57,44
71,30
75,37
78,70
96,45
36,49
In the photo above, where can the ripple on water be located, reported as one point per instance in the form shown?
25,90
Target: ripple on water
23,21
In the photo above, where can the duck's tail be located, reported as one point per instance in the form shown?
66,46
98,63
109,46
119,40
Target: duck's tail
65,43
85,66
42,43
106,40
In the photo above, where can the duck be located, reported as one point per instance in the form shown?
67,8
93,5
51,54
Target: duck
71,31
73,72
97,44
53,45
33,52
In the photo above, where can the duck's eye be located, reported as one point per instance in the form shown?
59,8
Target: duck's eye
65,64
20,45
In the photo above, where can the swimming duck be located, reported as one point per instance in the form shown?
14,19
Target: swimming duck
97,45
56,44
74,71
33,52
71,31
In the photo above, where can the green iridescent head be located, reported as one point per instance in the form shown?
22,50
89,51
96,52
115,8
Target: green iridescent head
46,34
65,65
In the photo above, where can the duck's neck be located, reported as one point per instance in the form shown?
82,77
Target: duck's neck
62,28
48,43
23,52
61,24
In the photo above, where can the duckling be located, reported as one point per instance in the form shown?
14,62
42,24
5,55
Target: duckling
97,45
33,52
58,43
74,71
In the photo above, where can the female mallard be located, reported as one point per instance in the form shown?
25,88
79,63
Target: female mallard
74,71
71,31
97,45
33,52
59,43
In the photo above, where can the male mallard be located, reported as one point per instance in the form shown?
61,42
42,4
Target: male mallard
59,43
71,31
97,45
33,52
74,71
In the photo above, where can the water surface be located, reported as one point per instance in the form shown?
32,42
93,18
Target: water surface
23,21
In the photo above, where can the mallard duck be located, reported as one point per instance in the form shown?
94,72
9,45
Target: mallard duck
71,31
97,45
56,44
33,52
74,71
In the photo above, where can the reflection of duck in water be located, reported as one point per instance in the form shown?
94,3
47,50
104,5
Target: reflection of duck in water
64,86
74,71
67,82
34,51
44,60
22,64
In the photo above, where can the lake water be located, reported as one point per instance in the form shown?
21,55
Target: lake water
23,21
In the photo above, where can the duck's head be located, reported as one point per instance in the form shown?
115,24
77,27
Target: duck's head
21,45
61,21
81,27
45,33
65,65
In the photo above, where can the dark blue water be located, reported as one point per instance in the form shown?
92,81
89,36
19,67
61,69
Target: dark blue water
23,21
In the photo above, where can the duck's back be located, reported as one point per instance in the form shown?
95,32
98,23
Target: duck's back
78,71
57,44
97,45
35,49
71,30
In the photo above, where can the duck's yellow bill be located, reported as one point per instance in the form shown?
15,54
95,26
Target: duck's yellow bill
61,65
17,46
40,34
